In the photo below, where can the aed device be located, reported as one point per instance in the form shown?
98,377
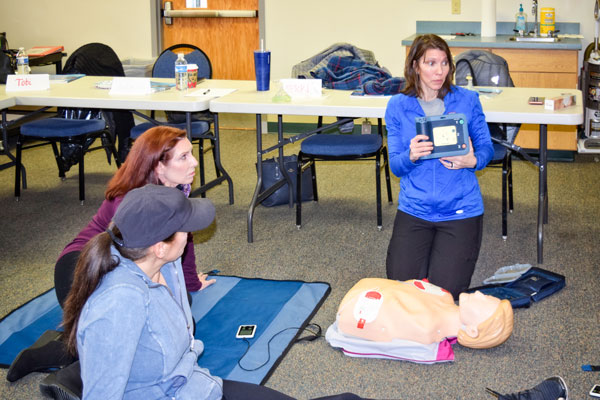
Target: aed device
449,134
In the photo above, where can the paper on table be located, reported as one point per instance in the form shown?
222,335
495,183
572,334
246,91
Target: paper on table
130,86
210,92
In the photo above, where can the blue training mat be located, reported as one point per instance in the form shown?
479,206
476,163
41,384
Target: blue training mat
274,306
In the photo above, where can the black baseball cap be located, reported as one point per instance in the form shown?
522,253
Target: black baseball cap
152,213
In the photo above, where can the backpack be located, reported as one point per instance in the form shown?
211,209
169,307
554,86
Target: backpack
6,66
486,69
96,59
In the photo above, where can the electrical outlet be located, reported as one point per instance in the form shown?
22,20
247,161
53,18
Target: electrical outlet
455,6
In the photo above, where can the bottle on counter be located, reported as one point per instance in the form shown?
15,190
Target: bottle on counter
181,75
22,62
469,79
521,21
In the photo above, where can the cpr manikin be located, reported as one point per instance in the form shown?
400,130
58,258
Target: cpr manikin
416,321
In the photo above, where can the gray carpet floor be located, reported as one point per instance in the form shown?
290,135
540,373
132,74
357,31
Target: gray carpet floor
340,244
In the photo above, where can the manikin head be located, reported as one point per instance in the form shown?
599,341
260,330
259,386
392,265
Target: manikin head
486,320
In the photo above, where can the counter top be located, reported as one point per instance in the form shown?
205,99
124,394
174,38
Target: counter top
501,40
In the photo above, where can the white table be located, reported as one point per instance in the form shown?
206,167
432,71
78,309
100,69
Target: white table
510,106
333,103
82,93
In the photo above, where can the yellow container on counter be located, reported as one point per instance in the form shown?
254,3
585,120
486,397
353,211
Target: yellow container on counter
546,20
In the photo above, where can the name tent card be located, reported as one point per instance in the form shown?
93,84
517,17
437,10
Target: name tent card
302,88
18,83
130,86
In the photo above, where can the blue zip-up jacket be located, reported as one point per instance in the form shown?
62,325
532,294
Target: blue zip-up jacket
428,190
135,339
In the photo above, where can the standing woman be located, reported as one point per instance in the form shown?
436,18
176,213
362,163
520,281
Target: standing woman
438,226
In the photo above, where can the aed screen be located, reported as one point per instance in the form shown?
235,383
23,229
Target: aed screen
444,135
246,330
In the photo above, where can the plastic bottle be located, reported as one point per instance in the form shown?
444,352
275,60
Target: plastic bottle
22,62
521,21
181,78
469,79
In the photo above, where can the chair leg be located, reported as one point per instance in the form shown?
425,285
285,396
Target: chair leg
201,164
378,189
386,166
18,166
504,198
313,176
510,184
299,192
81,175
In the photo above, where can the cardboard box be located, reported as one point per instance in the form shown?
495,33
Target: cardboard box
556,103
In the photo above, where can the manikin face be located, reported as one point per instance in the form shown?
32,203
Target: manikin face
181,168
433,68
474,308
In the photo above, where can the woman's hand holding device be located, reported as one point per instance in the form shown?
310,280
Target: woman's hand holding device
420,146
456,162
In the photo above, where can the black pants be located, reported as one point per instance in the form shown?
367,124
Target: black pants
63,275
233,390
444,252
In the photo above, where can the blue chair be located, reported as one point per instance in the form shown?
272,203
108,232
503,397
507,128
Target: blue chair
76,129
164,67
343,147
79,133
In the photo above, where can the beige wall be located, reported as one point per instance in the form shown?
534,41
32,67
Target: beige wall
294,30
124,25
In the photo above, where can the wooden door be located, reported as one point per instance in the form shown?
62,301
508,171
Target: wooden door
228,42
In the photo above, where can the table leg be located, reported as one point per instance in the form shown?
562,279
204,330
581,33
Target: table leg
282,168
542,192
258,175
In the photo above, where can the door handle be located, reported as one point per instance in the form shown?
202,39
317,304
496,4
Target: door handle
169,13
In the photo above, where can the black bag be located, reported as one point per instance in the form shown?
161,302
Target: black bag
534,285
271,174
6,66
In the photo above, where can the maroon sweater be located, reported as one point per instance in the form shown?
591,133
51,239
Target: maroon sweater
100,222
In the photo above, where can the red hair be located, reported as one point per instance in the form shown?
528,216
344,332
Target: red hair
152,146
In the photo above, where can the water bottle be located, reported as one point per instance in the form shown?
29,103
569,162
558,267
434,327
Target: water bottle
22,62
181,78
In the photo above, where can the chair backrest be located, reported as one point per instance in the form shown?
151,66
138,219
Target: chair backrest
164,67
487,69
95,59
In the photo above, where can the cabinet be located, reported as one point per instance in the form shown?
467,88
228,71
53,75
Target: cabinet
539,68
